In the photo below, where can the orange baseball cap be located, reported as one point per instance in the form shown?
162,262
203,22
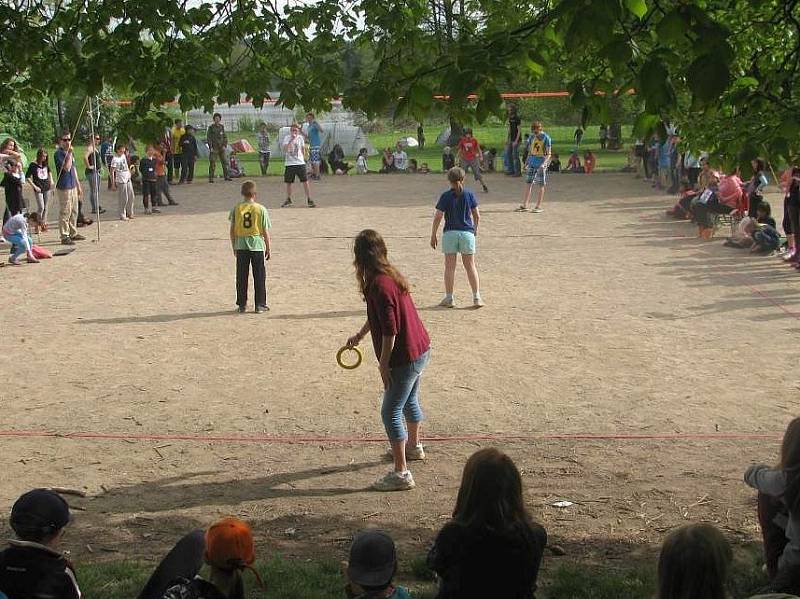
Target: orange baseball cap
229,545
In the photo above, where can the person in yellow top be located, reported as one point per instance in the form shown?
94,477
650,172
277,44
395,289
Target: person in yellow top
177,152
250,243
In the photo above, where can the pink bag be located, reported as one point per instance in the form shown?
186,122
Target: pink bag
40,253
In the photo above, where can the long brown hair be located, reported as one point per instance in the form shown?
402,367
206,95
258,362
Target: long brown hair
694,562
490,495
371,260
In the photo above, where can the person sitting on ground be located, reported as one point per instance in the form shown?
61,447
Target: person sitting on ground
589,162
387,162
555,164
234,171
400,159
362,168
336,160
32,567
778,502
371,568
424,168
694,564
15,231
448,159
574,163
491,547
766,238
229,550
489,158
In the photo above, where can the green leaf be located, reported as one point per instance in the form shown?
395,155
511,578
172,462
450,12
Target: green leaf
617,52
637,7
672,27
645,124
708,77
745,83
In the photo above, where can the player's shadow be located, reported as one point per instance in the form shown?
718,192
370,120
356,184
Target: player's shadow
157,317
180,492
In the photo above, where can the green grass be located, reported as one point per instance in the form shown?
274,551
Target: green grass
321,579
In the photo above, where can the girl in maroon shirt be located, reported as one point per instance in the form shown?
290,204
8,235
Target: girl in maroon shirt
402,347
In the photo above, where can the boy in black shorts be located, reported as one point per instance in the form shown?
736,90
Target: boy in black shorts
295,165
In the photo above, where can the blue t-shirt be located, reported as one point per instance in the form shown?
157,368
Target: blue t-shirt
457,210
663,154
539,148
314,138
66,179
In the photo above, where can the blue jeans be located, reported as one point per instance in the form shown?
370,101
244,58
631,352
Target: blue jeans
513,166
93,182
402,398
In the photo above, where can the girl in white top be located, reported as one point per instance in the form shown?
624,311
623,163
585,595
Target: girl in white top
121,177
361,162
400,159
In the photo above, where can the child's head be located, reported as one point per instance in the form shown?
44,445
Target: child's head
230,549
295,129
490,492
150,150
178,123
468,132
371,258
447,150
536,127
758,164
398,147
764,210
263,126
249,190
694,562
362,152
373,561
39,516
217,118
120,149
33,218
456,178
189,129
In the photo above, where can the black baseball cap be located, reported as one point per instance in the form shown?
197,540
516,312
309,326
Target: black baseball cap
373,559
39,513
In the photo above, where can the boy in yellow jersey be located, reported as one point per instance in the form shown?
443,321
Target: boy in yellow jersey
177,151
251,245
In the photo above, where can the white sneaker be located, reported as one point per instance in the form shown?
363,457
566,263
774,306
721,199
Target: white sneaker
448,302
537,210
413,454
394,481
3,239
477,303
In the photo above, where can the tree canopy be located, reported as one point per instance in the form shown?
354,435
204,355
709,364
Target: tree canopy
725,71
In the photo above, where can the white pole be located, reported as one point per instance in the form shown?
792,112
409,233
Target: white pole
97,169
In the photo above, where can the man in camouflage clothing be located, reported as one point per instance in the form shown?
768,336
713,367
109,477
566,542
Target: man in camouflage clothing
217,142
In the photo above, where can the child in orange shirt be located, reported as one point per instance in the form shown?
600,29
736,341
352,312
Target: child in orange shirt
588,161
162,183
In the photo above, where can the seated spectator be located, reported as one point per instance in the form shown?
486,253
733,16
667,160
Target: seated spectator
32,567
694,564
336,160
489,160
233,167
766,238
229,550
589,162
555,164
424,168
371,568
400,159
448,159
362,168
413,165
387,162
491,547
574,163
722,196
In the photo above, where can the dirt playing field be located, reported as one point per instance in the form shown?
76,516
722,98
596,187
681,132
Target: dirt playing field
603,318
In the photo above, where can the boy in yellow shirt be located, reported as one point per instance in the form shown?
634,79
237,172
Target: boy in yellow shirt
250,242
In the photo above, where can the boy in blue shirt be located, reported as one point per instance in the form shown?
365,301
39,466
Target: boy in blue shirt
314,134
459,209
538,161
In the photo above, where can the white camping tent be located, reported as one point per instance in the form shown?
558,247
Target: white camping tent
351,137
441,140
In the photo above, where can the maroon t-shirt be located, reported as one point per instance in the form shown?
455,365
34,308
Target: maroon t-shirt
392,312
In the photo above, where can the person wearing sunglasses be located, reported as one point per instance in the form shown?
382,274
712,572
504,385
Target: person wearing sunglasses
68,191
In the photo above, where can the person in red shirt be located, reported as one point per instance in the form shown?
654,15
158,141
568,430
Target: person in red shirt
589,162
402,347
470,153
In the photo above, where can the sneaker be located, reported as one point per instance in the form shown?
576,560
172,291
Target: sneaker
394,481
78,237
260,309
448,302
413,454
171,203
14,262
520,209
311,203
241,309
123,218
477,303
485,189
287,203
101,210
156,211
537,210
148,211
3,239
67,241
211,180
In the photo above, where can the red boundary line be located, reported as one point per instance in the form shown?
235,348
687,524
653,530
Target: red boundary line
301,439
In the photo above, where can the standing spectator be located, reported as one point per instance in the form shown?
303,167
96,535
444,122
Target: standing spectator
107,153
664,151
448,159
491,547
162,185
652,160
538,162
603,137
40,179
314,134
402,347
189,152
13,180
421,136
68,191
175,166
578,136
400,159
640,153
295,165
92,162
263,148
217,142
147,168
470,153
32,565
121,174
694,564
691,164
756,185
513,166
793,208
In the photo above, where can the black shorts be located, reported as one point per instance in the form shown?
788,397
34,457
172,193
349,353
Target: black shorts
149,188
295,171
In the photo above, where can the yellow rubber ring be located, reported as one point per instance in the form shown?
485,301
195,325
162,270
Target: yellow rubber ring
356,364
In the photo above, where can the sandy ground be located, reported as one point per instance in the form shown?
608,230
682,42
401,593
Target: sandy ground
602,317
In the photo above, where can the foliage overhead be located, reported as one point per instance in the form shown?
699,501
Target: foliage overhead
726,71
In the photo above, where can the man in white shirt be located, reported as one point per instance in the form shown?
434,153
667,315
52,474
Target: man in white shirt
295,165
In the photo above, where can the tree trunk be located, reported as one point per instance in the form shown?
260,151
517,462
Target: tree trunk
456,132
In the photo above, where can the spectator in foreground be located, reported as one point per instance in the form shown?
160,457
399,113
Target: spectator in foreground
694,564
491,547
229,550
32,567
372,566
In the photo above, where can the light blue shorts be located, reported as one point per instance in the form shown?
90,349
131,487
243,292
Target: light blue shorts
458,242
